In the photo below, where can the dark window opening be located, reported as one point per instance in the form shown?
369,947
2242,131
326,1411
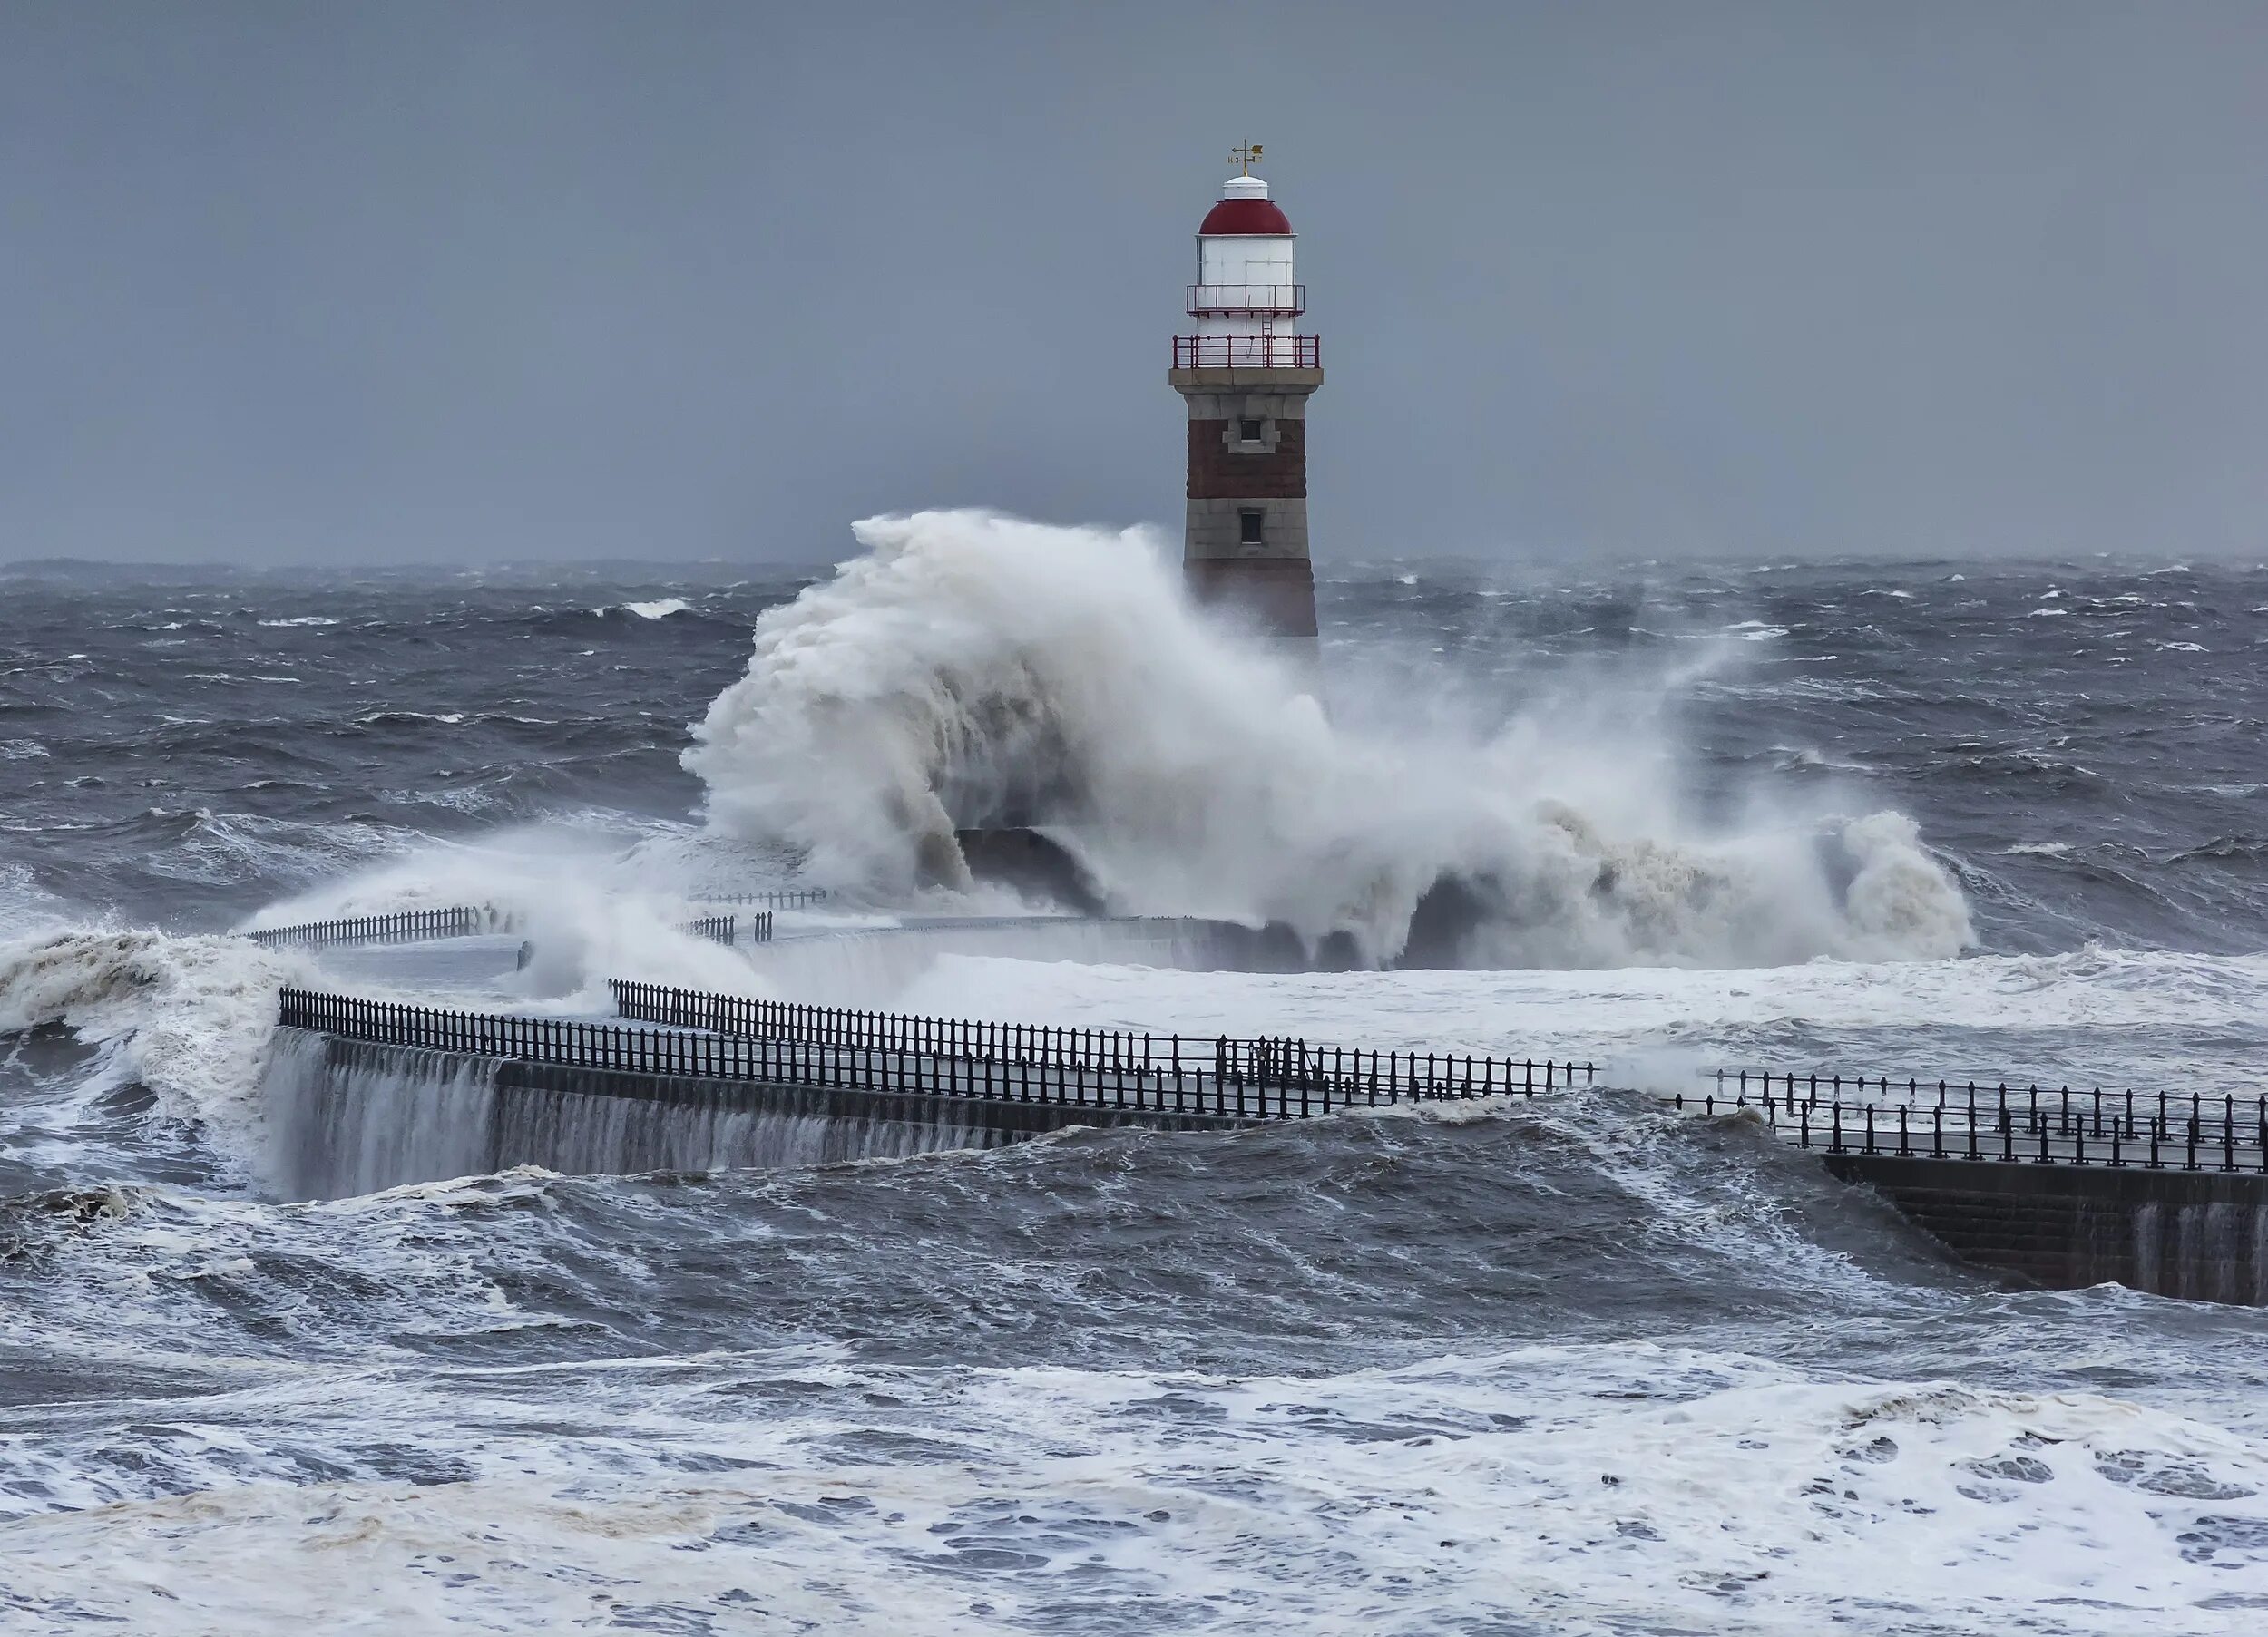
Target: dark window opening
1248,432
1248,528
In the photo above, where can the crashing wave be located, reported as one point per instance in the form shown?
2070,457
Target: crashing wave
974,670
188,1017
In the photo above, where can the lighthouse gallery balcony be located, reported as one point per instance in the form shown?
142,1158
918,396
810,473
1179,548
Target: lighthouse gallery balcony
1247,352
1246,300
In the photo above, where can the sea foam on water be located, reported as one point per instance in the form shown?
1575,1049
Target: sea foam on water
974,670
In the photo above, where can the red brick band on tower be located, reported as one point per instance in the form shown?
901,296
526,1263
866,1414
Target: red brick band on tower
1245,378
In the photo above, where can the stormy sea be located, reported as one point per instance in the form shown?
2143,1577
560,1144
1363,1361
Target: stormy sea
1591,1363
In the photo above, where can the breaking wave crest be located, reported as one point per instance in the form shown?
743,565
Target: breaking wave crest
190,1018
974,670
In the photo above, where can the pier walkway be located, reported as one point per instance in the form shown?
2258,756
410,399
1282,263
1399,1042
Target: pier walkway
689,1035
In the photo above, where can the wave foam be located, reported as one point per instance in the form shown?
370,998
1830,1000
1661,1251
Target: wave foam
189,1018
974,670
1625,1487
2142,1004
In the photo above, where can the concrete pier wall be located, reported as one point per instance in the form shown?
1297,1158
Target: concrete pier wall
349,1116
2199,1234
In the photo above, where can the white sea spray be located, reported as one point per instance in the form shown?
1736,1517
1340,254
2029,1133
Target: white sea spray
972,669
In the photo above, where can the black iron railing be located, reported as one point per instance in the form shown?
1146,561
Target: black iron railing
818,1047
400,926
1247,352
465,920
780,898
718,928
1274,300
1338,1075
1974,1120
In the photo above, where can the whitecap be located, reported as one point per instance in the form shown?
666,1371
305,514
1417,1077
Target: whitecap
1803,756
451,718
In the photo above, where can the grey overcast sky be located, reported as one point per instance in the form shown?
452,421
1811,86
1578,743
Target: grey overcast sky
405,282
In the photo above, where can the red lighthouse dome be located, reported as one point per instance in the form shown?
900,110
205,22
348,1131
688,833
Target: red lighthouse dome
1245,208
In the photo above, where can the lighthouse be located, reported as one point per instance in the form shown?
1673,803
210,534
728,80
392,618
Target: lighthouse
1246,375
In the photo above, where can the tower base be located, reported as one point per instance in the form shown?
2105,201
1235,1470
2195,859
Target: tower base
1277,594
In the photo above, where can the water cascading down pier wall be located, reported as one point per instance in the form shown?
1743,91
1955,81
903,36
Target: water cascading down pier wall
352,1117
368,1094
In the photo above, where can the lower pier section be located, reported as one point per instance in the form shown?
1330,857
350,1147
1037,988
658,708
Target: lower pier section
2201,1235
352,1117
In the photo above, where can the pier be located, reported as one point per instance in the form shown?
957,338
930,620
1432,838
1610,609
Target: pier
727,1039
2057,1186
2064,1188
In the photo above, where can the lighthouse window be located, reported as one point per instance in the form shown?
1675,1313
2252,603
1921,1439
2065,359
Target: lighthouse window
1248,431
1248,528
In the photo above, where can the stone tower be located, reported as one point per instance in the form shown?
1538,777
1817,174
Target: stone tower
1246,375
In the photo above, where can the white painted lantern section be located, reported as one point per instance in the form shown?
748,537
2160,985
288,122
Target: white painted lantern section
1247,283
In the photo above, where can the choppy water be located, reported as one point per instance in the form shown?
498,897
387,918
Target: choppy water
1583,1366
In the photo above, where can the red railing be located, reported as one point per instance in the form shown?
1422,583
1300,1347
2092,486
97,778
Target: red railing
1247,352
1280,300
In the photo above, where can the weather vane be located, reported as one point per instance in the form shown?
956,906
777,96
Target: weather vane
1247,156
